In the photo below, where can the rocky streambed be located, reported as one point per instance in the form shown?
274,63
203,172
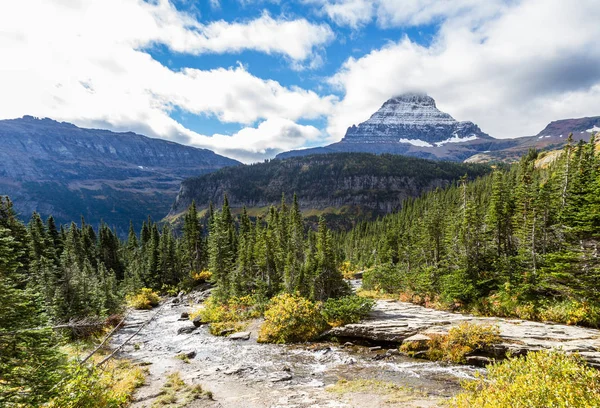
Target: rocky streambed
243,373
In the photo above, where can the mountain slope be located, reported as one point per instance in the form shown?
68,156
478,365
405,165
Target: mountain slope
61,169
411,125
343,186
553,136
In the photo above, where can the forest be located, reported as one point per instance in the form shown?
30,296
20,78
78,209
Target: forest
521,242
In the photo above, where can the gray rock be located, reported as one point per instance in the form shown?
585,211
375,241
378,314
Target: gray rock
392,321
185,315
479,361
240,336
198,321
186,330
280,377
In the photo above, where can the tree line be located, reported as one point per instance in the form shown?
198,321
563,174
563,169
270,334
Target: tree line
522,241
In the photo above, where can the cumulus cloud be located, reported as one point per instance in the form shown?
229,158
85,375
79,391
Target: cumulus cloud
269,138
86,62
511,71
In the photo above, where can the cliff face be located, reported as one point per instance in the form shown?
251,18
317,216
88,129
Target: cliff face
358,183
61,169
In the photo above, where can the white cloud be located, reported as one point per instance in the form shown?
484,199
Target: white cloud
84,62
266,140
352,13
511,72
392,13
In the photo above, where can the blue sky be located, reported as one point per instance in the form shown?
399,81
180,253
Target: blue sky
251,78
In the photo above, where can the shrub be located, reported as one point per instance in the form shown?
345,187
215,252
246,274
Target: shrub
144,299
226,316
539,380
346,310
203,276
291,318
347,270
571,312
460,341
90,387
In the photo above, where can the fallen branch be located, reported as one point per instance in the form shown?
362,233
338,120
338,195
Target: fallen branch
108,336
130,337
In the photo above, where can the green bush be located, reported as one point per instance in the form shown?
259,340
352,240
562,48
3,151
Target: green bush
385,278
346,310
291,318
539,380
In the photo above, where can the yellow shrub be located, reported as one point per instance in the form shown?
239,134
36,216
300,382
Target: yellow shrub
225,316
202,276
90,387
460,341
291,318
145,299
347,270
539,380
571,312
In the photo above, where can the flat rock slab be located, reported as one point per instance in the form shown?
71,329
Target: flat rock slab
240,336
392,321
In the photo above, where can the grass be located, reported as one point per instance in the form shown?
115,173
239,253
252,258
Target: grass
394,393
177,394
183,357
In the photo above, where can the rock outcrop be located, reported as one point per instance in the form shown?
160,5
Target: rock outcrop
392,321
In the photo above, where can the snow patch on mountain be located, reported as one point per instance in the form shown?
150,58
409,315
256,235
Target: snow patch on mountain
593,130
456,139
416,142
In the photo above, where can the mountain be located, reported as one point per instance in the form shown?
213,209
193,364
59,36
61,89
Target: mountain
553,136
60,169
412,125
343,187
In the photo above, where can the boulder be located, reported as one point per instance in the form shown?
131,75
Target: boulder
198,321
186,330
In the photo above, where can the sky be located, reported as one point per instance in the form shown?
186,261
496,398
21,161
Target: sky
251,78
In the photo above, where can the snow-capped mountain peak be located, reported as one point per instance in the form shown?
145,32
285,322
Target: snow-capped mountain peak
413,117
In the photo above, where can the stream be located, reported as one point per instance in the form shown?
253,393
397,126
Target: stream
244,373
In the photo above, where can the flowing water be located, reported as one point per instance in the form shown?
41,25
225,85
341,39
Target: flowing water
244,373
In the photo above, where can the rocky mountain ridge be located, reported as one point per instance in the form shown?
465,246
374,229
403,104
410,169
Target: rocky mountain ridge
60,169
